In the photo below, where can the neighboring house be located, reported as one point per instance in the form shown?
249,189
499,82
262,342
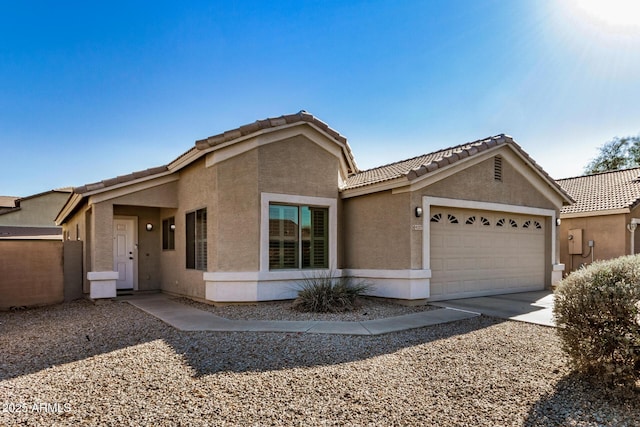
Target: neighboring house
32,217
602,223
245,215
7,203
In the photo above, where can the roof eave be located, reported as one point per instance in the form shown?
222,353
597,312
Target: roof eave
603,212
68,208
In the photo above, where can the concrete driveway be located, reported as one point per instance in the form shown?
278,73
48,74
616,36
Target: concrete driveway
532,307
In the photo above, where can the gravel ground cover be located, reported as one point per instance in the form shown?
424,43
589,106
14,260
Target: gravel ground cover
370,309
112,364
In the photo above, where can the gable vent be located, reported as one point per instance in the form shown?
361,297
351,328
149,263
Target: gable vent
497,168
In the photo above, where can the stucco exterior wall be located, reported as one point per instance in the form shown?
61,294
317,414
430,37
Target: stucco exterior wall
382,231
377,231
196,189
164,196
38,211
32,273
293,166
609,233
298,166
477,183
237,229
75,228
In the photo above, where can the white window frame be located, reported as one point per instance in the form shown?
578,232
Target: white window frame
267,199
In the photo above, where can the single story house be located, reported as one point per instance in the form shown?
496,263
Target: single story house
602,222
245,215
32,217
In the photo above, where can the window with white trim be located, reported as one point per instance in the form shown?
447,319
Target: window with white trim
298,237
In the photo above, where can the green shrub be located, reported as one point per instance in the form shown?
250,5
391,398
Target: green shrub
325,292
597,311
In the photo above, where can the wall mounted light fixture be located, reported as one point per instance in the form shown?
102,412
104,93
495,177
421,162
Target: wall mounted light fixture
558,222
172,227
149,226
418,212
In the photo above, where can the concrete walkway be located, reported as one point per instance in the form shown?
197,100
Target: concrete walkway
531,307
186,318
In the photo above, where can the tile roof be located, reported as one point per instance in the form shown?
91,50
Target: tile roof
603,191
269,123
230,135
8,201
120,179
427,163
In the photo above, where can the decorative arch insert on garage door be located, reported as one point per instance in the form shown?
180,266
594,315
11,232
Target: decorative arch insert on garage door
475,252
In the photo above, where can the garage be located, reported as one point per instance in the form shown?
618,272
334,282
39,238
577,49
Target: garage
477,252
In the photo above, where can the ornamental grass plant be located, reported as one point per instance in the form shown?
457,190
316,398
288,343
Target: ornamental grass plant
597,312
325,292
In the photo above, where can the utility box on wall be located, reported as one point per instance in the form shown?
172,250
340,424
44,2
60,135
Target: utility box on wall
575,241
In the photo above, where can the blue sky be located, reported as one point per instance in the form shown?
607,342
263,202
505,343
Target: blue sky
92,90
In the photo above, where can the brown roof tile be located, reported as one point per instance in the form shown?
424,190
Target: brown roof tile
273,122
8,201
120,179
426,163
229,135
603,191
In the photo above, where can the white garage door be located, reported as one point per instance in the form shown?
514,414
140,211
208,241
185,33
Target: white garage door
475,253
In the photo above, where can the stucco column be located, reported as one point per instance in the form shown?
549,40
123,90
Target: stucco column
632,229
557,268
102,278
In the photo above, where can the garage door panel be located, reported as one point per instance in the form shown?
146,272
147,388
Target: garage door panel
476,256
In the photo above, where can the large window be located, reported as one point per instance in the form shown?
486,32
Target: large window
298,237
196,229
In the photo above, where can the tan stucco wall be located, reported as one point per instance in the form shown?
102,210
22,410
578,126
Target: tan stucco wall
477,183
75,228
237,229
377,230
382,232
293,166
39,211
609,233
32,273
298,166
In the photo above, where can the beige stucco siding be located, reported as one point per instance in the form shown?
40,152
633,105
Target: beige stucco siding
383,232
377,231
32,273
477,183
195,190
294,166
165,195
237,229
37,211
609,233
298,166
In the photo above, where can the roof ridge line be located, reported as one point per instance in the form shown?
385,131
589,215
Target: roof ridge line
599,173
437,151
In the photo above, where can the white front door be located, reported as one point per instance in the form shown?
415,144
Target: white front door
124,253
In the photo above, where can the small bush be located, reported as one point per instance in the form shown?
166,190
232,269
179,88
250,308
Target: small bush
597,311
325,292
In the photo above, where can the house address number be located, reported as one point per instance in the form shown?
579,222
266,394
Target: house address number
417,227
